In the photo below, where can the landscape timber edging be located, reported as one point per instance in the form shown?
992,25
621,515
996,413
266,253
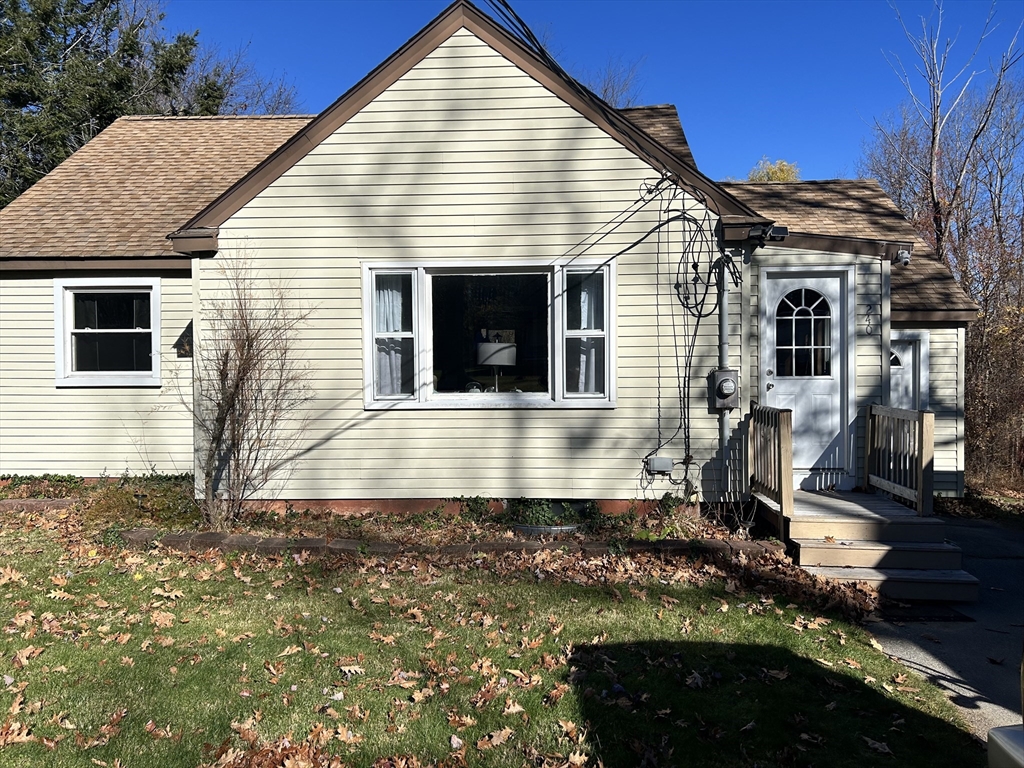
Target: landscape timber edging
145,538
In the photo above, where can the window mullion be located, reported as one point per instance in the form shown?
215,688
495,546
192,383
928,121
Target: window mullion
423,297
560,324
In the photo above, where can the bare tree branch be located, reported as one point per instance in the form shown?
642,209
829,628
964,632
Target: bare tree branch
617,83
952,158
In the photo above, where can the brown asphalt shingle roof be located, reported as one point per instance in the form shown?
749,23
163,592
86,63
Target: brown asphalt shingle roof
859,208
661,122
143,177
138,180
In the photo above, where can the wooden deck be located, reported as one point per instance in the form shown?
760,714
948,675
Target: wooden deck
847,505
863,537
867,537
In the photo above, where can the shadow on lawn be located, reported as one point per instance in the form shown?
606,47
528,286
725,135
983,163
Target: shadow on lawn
725,704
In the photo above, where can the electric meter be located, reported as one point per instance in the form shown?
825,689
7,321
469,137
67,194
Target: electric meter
724,389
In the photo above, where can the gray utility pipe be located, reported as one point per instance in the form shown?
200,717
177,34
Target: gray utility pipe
723,364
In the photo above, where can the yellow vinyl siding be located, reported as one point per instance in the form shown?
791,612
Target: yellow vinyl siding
945,399
466,157
88,431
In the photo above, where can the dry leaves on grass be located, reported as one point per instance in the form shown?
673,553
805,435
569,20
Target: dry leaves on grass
878,746
770,572
13,732
310,752
9,575
494,739
22,657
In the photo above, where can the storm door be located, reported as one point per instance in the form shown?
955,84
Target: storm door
908,370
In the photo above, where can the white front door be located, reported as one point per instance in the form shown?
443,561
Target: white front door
803,368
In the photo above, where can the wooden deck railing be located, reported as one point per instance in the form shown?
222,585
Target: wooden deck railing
771,460
900,449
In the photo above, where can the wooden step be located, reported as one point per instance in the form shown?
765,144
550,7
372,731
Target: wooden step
879,554
867,527
907,583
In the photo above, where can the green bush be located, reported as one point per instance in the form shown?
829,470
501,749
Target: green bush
523,511
475,509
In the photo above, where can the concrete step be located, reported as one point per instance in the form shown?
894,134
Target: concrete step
868,527
925,555
908,583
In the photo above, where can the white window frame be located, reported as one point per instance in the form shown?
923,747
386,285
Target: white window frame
423,396
64,290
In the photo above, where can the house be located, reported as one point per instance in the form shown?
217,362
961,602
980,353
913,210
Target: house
514,290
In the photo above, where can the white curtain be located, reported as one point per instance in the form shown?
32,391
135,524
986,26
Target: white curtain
590,296
388,319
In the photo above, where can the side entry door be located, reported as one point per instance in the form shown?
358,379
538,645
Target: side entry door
908,370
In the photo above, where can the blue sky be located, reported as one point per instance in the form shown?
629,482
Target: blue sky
801,81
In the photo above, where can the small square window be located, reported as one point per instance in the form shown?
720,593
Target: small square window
107,332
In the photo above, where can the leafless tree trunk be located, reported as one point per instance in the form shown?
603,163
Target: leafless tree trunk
944,100
952,158
249,389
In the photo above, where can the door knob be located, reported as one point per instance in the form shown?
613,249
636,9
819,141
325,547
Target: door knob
770,386
770,372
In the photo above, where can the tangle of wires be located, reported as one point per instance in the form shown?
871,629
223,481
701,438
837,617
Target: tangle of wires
698,266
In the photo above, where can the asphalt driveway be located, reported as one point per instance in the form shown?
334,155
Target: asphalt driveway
977,662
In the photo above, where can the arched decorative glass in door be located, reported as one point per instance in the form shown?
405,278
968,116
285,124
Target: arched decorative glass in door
803,334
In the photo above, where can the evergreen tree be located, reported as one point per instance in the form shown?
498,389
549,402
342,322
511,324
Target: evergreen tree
69,68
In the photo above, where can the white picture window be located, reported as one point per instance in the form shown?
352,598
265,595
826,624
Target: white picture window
107,332
516,335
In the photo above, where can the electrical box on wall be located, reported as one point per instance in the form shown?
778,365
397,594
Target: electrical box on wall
725,389
660,465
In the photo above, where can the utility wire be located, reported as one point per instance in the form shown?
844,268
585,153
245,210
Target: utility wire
698,251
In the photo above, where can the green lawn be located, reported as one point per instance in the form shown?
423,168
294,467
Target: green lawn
545,659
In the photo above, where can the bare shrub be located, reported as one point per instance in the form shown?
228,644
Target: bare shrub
249,389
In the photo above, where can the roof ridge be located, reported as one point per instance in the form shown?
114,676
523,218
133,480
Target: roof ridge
215,117
804,181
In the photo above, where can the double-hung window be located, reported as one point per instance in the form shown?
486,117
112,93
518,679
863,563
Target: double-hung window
107,332
451,335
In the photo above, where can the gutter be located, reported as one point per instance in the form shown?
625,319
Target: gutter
74,264
198,241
